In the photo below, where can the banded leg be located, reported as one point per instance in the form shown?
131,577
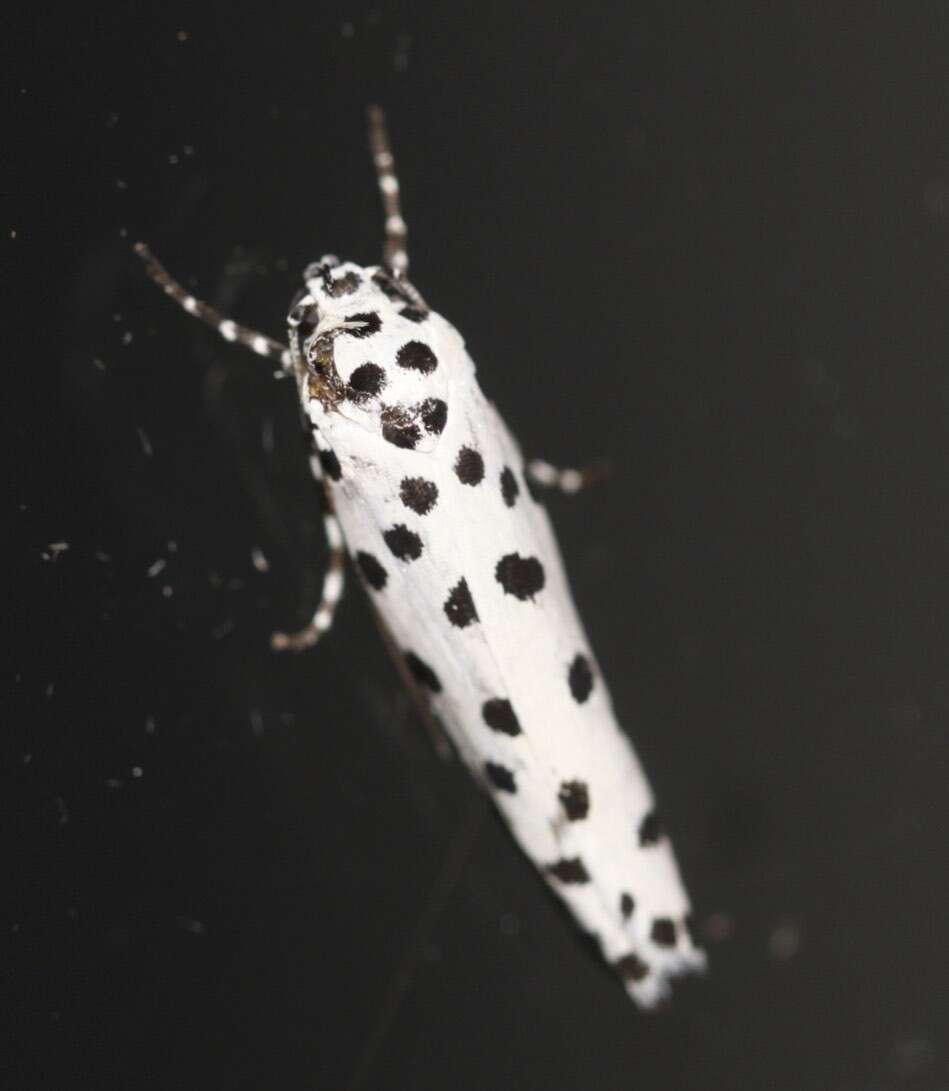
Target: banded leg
334,582
230,331
395,253
568,481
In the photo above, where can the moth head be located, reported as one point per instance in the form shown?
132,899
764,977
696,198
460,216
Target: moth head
369,354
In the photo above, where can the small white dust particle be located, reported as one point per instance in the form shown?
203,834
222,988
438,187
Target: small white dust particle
136,771
50,688
785,941
61,810
100,364
12,232
183,35
156,567
120,183
167,590
510,924
127,337
388,184
123,232
189,924
145,441
188,149
256,721
14,928
103,557
54,550
173,159
347,30
149,725
112,120
113,782
171,545
258,560
27,758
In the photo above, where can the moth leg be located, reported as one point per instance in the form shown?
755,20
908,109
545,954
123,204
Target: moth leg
230,331
394,250
568,481
334,583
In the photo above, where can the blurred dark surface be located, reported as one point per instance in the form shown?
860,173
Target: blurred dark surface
708,242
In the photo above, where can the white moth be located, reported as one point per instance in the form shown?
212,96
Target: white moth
427,491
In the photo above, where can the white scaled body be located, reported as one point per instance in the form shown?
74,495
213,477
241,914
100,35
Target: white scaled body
462,565
428,488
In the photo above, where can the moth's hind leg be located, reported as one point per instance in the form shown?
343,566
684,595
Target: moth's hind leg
570,481
229,330
334,583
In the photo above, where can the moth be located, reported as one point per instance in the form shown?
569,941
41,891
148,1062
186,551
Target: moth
427,491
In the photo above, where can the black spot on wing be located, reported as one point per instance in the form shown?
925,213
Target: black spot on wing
631,968
626,905
403,543
371,323
500,716
414,314
434,413
366,381
650,829
330,464
418,494
372,571
417,356
399,429
580,677
459,606
663,932
520,576
422,672
509,487
569,871
500,776
575,798
469,466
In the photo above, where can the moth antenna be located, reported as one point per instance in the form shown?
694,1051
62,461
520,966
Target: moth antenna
228,329
394,249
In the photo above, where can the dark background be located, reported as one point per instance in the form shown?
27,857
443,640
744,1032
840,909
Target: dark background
707,241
